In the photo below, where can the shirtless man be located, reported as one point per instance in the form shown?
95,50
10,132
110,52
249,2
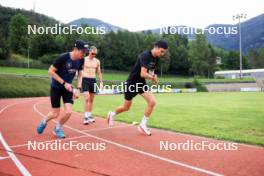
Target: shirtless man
91,67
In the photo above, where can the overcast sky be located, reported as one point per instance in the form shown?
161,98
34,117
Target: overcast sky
137,15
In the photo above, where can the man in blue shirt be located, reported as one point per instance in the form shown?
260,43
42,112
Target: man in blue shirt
63,71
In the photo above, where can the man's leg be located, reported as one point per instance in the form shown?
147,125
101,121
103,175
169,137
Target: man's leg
68,102
67,113
150,99
54,113
55,96
62,120
151,102
89,98
86,104
125,107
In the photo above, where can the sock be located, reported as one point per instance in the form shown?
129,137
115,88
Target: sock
87,114
58,126
144,120
44,120
113,114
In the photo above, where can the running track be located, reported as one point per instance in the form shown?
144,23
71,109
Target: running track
127,152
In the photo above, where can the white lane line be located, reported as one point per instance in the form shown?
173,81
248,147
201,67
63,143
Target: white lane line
135,150
66,139
13,104
26,144
106,128
6,157
10,152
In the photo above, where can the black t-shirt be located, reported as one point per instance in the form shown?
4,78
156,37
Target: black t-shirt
66,69
146,60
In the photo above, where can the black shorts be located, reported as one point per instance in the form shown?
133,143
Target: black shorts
132,89
57,93
89,85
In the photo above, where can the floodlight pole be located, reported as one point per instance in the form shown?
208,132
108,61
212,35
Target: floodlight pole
239,16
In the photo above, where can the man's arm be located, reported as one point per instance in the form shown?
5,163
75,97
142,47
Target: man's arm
79,85
54,75
100,77
79,79
144,74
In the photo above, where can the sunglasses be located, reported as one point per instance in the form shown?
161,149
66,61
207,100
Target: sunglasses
94,54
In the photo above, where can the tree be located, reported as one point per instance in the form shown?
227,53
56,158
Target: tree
256,58
43,44
18,39
199,55
231,61
178,50
4,49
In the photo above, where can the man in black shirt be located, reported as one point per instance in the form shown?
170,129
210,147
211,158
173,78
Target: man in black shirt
136,84
62,73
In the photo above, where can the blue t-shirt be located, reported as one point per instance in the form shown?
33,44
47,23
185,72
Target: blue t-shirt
66,69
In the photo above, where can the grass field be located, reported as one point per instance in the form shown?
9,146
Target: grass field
13,86
230,116
118,76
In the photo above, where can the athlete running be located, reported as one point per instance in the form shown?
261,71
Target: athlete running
136,84
63,71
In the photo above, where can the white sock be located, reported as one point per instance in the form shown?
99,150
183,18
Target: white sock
87,114
144,120
58,126
112,114
44,120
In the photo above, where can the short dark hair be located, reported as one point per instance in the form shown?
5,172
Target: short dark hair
161,44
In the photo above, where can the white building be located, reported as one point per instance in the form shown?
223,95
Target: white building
233,74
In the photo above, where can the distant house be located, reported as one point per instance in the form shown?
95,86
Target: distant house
233,74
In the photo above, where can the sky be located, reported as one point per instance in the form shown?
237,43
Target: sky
136,15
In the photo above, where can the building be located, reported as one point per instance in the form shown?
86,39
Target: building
233,74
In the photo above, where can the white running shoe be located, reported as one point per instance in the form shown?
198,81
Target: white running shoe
143,129
86,121
91,119
110,119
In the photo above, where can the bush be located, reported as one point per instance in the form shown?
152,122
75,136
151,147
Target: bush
200,87
48,58
17,60
15,86
220,77
32,64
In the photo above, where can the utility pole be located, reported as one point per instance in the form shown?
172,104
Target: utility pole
239,17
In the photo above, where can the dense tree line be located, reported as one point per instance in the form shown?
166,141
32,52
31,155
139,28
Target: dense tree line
118,50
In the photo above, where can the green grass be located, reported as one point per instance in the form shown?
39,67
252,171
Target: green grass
13,86
118,76
31,71
228,116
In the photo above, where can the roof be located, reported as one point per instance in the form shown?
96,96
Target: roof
238,71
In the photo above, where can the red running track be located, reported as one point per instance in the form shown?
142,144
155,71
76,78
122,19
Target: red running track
126,151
